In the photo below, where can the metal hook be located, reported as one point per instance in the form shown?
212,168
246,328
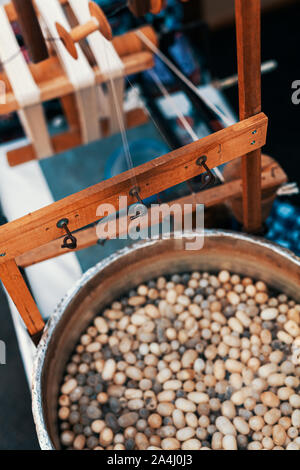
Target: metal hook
135,192
70,242
208,178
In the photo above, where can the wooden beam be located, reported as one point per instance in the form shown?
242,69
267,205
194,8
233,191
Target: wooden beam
16,287
248,33
39,228
272,177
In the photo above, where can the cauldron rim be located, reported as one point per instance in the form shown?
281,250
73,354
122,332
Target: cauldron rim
37,402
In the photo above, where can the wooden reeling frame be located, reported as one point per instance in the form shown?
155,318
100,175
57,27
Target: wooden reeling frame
244,139
74,83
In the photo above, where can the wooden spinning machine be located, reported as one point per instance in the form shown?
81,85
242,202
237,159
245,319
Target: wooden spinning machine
68,75
70,72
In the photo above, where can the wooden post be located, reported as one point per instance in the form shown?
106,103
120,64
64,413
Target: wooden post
16,287
40,227
249,63
31,30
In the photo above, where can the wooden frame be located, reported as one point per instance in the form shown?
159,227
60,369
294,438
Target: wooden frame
272,178
27,235
38,228
74,82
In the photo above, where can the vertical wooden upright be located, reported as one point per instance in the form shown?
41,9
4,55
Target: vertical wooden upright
248,32
16,287
31,30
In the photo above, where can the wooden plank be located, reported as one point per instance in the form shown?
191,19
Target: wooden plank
272,177
54,83
34,124
87,105
248,32
16,287
60,142
25,90
72,138
39,228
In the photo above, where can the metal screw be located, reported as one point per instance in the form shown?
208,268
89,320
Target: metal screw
62,222
253,142
2,255
254,132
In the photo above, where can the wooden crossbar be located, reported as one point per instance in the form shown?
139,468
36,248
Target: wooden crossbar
272,178
39,228
53,83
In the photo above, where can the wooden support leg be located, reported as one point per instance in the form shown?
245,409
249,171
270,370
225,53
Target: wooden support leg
34,124
87,104
116,100
16,287
70,110
249,63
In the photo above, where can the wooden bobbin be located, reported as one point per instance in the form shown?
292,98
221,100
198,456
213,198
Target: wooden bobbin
142,7
98,22
129,43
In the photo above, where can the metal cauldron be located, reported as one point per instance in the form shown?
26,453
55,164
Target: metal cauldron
122,271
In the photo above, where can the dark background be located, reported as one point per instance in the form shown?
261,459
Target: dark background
280,41
280,38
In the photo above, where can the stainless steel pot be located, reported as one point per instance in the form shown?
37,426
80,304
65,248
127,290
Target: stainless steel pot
122,271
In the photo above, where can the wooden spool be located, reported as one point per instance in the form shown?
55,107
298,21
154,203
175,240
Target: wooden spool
142,7
129,43
98,22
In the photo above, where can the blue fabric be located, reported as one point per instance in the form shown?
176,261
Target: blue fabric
284,226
